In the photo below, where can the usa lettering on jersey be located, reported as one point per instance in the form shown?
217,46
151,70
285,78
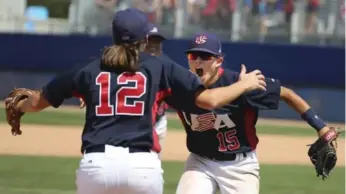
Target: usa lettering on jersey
208,121
227,139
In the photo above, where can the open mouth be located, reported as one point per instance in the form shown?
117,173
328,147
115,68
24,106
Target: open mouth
199,72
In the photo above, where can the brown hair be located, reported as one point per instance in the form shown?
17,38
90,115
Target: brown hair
154,46
123,57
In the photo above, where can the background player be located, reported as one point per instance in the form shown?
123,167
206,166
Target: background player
154,47
120,91
223,142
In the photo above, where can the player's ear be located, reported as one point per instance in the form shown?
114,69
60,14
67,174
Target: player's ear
219,61
146,40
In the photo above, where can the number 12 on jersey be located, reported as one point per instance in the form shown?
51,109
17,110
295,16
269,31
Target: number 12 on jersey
122,107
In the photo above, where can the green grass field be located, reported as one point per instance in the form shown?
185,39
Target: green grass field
55,175
77,118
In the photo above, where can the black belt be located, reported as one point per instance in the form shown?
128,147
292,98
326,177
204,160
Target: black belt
101,148
224,157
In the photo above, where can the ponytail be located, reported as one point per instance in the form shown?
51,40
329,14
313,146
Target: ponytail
123,57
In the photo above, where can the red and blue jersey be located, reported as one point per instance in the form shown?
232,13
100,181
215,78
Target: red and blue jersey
231,128
121,107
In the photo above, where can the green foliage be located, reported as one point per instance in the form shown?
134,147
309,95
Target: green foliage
57,8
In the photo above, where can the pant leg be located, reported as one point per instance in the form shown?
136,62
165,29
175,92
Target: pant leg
117,171
195,178
240,176
90,176
145,175
161,130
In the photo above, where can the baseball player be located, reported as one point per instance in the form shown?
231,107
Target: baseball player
120,91
223,141
154,47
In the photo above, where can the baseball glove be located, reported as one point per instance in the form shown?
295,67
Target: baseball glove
13,115
322,153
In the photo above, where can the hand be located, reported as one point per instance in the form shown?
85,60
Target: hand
253,80
82,103
12,108
329,134
323,131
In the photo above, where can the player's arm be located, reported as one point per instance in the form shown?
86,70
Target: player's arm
218,97
34,103
52,94
303,109
187,87
269,100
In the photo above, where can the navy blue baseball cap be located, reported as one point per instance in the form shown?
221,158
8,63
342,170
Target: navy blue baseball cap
205,42
130,25
155,31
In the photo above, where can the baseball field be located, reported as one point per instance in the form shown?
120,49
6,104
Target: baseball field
44,159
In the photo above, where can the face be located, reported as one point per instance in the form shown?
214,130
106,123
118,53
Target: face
205,65
154,46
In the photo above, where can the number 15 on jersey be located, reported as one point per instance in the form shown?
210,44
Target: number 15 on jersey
121,106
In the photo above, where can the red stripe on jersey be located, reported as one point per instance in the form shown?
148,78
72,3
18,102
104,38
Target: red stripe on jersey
77,95
250,129
160,95
206,121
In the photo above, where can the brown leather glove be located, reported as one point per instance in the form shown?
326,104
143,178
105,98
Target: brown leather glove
13,114
322,153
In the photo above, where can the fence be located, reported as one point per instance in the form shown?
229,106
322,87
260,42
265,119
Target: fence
317,73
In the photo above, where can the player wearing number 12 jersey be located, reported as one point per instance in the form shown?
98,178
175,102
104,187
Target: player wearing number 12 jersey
223,141
121,91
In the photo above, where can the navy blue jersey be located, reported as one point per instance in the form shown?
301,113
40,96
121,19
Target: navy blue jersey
229,129
162,106
120,107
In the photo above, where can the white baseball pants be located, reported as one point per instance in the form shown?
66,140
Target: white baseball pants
205,176
116,171
161,129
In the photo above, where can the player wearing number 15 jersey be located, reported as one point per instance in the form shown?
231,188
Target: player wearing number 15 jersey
223,141
121,91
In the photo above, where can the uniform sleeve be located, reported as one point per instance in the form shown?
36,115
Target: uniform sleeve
183,86
62,87
265,100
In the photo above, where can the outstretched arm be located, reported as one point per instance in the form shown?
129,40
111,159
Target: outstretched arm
34,103
304,109
218,97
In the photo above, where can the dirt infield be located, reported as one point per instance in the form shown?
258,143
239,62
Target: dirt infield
65,141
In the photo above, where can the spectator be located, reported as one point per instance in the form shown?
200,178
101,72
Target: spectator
312,7
248,4
168,10
147,6
259,11
218,14
97,16
195,9
288,9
